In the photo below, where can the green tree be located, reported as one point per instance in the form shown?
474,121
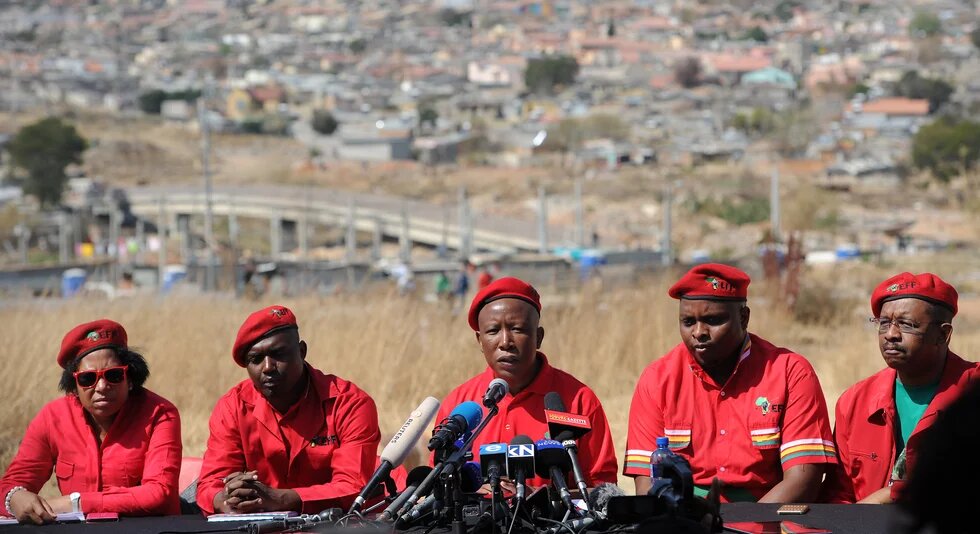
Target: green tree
911,85
947,147
925,24
43,149
756,34
428,115
358,45
324,122
546,74
451,17
150,102
687,72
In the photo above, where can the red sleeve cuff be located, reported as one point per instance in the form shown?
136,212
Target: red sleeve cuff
92,502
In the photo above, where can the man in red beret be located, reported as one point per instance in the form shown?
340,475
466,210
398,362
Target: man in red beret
880,421
735,406
505,318
290,437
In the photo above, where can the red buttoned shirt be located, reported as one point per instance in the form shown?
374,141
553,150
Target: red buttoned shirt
524,414
768,417
865,430
132,472
325,447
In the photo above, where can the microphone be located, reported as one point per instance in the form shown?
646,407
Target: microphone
470,480
551,461
599,498
497,390
492,457
563,426
470,477
462,419
566,428
398,448
412,481
330,515
520,463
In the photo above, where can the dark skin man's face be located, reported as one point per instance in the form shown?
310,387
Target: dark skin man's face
915,343
713,332
276,365
510,337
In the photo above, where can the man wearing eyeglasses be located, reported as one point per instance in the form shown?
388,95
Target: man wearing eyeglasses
290,437
881,420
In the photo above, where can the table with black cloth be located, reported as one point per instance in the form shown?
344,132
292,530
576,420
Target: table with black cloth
838,518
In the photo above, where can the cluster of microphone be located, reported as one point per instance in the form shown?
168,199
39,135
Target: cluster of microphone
445,494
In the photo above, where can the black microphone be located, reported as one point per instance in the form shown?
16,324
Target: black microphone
551,461
520,463
470,480
464,417
493,459
330,515
567,426
497,390
412,481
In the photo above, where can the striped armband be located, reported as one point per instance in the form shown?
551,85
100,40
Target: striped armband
811,449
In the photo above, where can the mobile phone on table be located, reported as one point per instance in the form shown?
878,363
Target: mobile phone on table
793,509
102,516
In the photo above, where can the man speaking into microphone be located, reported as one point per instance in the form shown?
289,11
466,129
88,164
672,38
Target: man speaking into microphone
290,437
505,317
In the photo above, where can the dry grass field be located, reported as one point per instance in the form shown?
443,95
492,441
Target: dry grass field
401,350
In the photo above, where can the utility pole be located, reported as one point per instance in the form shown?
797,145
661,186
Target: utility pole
542,220
465,226
209,274
579,215
666,254
774,203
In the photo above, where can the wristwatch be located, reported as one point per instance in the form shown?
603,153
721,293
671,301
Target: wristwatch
76,501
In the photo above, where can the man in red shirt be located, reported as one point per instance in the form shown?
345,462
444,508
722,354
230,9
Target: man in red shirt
735,406
290,437
881,419
505,317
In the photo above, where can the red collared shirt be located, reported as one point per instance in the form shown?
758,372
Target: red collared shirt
132,472
865,430
325,447
768,417
524,414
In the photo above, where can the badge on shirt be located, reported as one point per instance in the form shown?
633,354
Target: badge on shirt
324,440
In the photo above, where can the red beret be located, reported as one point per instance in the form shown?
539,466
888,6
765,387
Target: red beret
712,281
503,288
925,286
259,325
90,337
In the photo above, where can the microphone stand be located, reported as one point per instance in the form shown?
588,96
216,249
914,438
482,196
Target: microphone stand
451,466
572,449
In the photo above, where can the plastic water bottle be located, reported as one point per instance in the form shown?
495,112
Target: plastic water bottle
658,456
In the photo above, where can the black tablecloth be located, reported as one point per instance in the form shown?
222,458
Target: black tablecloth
840,519
837,518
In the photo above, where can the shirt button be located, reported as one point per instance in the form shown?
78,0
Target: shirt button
722,393
723,432
722,469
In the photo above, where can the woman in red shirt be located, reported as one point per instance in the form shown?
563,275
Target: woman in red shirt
113,445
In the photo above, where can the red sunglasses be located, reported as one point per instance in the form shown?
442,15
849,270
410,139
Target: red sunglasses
112,375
